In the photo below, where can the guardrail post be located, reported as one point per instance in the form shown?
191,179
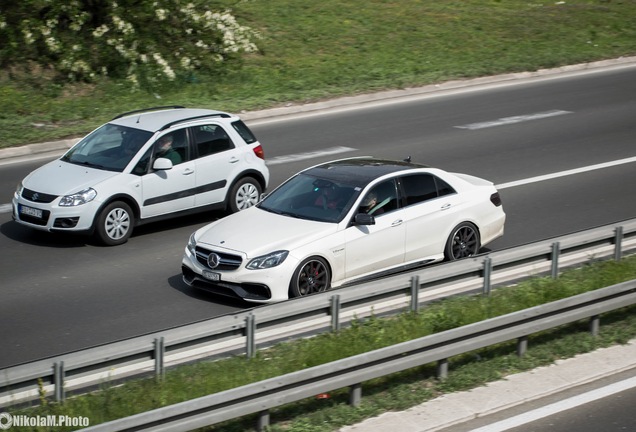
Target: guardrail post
250,335
522,346
487,275
263,421
442,369
595,323
415,293
618,243
335,312
355,395
556,250
58,380
160,350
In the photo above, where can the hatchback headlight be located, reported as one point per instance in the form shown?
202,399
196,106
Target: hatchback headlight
267,261
18,190
79,198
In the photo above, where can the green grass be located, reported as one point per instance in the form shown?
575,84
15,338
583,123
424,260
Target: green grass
312,51
394,392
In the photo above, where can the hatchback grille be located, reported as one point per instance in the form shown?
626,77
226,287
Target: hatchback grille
38,197
226,261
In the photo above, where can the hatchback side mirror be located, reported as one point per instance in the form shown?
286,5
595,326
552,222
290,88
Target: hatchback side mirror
162,164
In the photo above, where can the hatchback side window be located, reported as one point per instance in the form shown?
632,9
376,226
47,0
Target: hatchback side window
244,131
173,146
423,187
210,139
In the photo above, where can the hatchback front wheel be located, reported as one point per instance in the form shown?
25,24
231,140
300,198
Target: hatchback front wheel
115,223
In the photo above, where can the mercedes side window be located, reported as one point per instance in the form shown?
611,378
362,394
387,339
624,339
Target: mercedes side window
423,187
211,139
382,198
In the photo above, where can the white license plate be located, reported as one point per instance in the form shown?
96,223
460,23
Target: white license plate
212,275
30,211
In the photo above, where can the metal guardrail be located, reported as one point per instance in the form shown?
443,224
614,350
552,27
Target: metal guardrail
246,331
351,372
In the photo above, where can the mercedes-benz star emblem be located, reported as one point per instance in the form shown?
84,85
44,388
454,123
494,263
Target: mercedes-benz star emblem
213,260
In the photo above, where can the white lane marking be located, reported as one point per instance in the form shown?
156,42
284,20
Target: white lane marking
309,155
5,208
557,407
566,173
514,119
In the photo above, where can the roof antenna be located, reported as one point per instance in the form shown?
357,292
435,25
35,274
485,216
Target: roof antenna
408,159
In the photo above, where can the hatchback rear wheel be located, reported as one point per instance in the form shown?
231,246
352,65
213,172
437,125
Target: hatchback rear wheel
244,194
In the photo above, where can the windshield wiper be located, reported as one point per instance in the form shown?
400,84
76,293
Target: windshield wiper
90,164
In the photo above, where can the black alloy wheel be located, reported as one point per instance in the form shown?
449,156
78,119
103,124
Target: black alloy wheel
312,276
463,242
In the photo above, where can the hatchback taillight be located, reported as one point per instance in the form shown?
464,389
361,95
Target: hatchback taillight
495,199
258,151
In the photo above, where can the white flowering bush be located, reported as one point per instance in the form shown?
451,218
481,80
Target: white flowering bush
144,41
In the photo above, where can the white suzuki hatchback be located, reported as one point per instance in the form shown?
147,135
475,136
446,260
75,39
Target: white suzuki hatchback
143,166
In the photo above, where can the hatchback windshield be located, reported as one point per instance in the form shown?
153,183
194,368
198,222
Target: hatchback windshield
308,197
110,147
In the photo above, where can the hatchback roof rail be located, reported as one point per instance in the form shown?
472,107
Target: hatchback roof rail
168,125
148,109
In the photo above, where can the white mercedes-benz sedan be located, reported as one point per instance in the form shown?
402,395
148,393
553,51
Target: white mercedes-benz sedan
339,222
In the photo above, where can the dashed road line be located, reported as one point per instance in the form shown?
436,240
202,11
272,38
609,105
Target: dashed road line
515,119
309,155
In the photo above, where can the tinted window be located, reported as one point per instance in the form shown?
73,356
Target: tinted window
422,187
173,146
443,188
244,131
210,139
382,198
308,197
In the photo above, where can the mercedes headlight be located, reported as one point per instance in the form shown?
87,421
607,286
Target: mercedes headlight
267,261
192,244
79,198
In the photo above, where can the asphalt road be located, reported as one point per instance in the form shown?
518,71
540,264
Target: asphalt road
602,405
60,294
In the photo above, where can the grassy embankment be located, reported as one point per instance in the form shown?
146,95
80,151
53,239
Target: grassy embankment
317,50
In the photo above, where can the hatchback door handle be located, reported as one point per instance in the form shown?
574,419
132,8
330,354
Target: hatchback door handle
234,160
446,206
397,223
188,171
